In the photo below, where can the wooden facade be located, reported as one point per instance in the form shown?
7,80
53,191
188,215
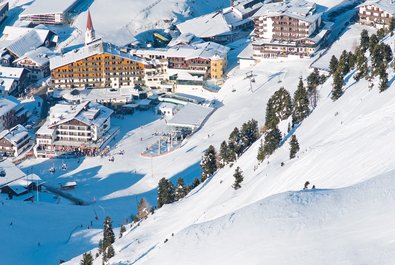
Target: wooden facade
99,71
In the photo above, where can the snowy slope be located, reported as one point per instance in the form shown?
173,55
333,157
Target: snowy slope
342,143
122,20
342,226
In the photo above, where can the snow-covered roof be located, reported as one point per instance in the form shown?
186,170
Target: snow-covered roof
11,72
40,56
6,84
213,24
13,173
166,106
299,9
12,33
85,94
190,116
386,5
90,113
97,47
25,43
246,53
39,7
205,50
184,39
7,104
14,134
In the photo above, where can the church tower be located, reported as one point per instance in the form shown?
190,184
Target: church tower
90,31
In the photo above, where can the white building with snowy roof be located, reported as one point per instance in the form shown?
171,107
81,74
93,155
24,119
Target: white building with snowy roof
36,62
85,127
14,141
48,11
225,25
286,28
207,60
12,80
190,118
377,13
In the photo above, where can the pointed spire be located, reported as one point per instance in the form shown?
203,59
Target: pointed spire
89,25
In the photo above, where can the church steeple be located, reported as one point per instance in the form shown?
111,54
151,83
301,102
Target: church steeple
90,31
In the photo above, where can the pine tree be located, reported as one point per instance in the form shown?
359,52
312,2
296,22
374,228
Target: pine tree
377,58
392,25
249,133
387,52
333,63
101,249
271,120
226,155
383,78
143,209
279,107
209,163
294,147
351,60
313,81
181,189
364,42
195,183
238,175
234,141
165,192
337,91
380,33
373,41
87,259
108,233
110,252
343,65
301,104
361,64
121,231
271,143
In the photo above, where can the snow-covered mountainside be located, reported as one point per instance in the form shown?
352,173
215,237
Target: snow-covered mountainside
343,143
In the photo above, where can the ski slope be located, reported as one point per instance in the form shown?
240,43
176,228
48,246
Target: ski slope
343,143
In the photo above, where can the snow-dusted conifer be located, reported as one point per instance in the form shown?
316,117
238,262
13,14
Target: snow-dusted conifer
181,189
301,104
165,192
238,175
209,163
294,147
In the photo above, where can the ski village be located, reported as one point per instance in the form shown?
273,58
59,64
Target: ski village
195,132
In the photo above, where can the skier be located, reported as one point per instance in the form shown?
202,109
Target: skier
306,185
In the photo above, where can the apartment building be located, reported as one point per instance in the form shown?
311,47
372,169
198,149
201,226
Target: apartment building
83,128
14,141
11,113
292,27
377,13
48,12
97,65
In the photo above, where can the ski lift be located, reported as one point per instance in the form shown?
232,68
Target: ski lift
64,166
253,80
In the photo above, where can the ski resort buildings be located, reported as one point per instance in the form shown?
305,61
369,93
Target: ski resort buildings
286,28
48,12
197,61
84,128
14,141
225,25
97,65
11,113
377,13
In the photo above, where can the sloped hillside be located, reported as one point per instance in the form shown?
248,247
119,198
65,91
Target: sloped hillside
342,143
120,21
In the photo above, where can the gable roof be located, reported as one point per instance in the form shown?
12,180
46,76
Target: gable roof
94,48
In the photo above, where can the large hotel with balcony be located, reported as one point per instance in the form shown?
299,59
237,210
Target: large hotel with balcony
377,13
96,65
292,27
84,128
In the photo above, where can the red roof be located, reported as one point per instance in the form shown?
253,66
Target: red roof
89,25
